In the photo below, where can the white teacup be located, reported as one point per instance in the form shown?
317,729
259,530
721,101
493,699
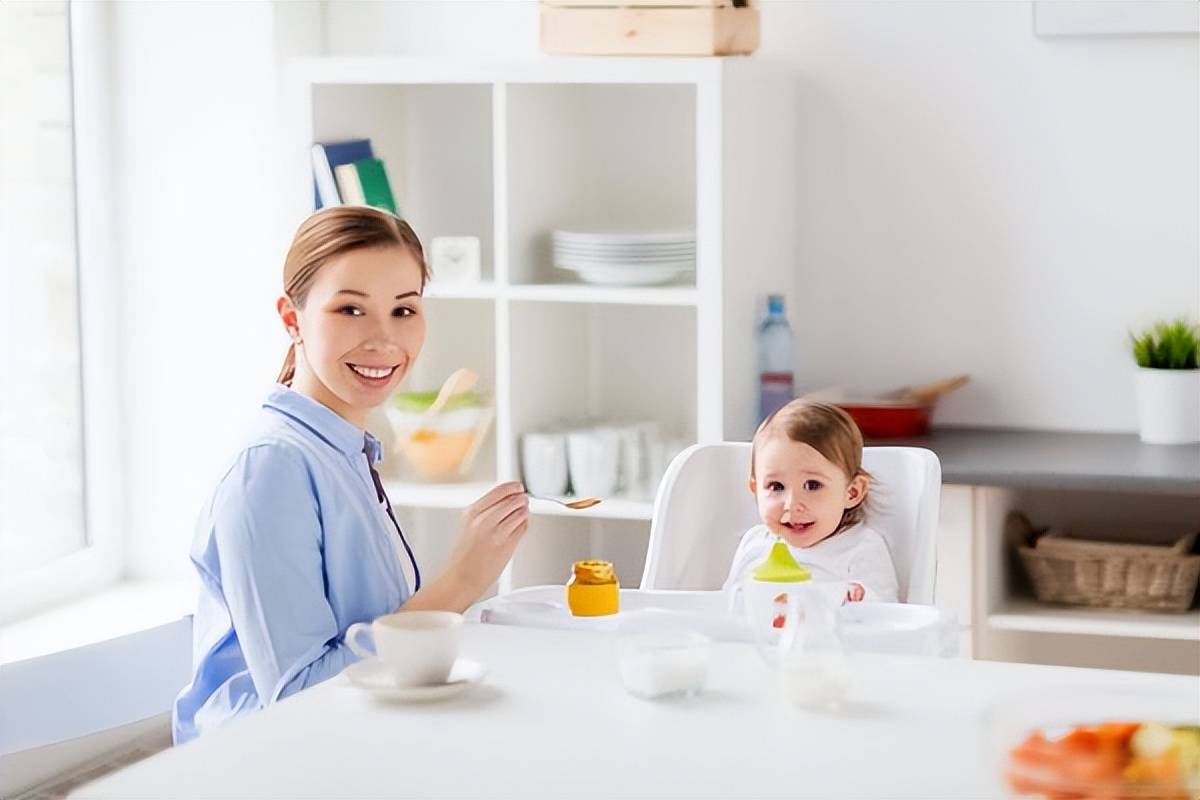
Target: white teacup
419,647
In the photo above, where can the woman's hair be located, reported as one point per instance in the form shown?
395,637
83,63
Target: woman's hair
827,429
329,233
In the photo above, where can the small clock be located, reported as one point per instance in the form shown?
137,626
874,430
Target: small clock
455,259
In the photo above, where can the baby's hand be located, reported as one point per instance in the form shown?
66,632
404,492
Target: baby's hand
855,594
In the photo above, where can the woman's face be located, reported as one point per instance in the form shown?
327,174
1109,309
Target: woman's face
359,331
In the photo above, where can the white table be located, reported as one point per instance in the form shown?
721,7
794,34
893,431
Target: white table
552,720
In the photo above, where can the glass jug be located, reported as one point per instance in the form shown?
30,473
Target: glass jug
813,668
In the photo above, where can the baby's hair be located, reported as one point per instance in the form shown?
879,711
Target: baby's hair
827,429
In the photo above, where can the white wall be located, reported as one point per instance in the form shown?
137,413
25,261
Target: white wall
203,232
972,198
979,199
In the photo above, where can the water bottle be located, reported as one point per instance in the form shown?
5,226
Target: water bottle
776,385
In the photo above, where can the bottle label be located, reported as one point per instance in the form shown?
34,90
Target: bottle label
775,390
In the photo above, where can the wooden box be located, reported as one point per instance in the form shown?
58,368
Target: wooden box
649,27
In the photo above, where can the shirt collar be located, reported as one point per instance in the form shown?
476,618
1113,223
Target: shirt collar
324,422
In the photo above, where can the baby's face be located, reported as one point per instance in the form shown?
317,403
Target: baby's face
801,494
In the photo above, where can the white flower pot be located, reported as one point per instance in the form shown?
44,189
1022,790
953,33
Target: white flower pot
1169,405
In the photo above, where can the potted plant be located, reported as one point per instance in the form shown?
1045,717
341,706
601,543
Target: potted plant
1168,383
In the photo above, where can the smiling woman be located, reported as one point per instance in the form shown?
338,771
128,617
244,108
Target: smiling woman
362,308
299,541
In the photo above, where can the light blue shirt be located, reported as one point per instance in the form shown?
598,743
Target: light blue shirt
292,549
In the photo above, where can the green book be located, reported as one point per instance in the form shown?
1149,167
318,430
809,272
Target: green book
376,190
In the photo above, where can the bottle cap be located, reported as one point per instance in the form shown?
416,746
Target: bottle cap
594,572
775,303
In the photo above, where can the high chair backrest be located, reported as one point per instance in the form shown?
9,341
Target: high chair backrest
704,506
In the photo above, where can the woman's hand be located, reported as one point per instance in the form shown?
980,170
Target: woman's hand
489,531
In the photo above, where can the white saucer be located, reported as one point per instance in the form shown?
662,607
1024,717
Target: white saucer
371,674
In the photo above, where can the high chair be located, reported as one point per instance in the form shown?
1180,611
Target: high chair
703,507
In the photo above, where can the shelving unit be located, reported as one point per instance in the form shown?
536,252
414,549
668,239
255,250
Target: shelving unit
1031,616
508,152
1010,625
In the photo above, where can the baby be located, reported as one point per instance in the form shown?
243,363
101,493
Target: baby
806,473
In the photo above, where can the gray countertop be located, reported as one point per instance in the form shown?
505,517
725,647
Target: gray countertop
1059,460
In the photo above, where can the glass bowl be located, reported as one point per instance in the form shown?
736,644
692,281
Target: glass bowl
666,663
442,446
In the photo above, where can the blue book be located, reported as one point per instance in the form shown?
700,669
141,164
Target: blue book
328,156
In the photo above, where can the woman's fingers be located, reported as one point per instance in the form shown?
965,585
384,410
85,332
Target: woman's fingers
495,495
492,516
510,530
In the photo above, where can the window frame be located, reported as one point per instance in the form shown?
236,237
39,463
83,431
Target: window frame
99,563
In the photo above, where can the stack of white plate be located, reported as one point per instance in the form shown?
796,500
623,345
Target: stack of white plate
625,258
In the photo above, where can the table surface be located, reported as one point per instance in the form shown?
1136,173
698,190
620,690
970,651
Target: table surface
552,719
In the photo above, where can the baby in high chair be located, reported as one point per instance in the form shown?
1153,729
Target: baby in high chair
806,474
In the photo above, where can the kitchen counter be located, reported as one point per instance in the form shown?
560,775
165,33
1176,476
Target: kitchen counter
1115,462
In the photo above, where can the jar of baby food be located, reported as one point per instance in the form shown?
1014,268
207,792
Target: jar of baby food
592,590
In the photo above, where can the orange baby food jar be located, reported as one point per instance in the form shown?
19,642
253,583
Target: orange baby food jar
593,590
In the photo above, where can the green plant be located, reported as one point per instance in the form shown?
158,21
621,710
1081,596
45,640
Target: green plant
1167,345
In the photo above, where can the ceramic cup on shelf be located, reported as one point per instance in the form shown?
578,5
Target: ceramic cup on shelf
594,461
632,478
544,463
418,647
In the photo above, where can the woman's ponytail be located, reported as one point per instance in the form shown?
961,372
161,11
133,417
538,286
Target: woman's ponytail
289,367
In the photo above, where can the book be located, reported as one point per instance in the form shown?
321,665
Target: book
365,182
373,177
326,157
349,186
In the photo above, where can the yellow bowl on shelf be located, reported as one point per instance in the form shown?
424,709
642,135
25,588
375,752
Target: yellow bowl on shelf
442,447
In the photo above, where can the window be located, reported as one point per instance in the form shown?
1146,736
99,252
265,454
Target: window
42,503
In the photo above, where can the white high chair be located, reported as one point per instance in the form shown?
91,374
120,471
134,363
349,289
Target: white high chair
703,507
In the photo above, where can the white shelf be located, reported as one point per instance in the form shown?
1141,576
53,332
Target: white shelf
408,494
1028,615
568,293
508,151
470,291
611,508
627,295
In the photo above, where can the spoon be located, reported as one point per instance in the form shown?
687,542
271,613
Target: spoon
577,505
459,381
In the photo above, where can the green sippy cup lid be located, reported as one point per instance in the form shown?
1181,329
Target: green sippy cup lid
780,567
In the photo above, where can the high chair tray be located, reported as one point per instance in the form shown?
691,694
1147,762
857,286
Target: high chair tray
867,627
546,607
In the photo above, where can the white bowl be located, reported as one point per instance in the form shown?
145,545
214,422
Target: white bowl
664,663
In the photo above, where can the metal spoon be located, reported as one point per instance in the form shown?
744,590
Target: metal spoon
577,505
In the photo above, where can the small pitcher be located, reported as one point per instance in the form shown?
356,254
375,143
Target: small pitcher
812,662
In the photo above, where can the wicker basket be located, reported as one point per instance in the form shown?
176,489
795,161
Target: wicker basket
1109,574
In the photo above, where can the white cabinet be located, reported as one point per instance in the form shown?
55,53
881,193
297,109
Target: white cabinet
982,582
508,152
956,560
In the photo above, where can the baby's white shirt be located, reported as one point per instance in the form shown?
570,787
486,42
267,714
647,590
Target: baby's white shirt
858,554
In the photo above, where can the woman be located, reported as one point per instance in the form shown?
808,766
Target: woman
298,541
